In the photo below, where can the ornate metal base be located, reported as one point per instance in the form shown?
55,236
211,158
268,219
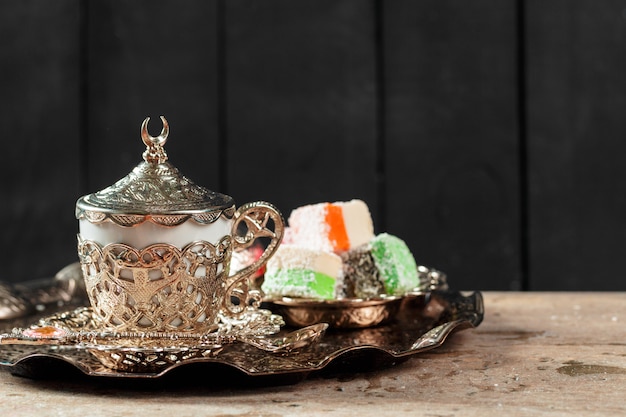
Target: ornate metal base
81,329
282,356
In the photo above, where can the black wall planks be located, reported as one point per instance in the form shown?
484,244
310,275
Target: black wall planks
39,167
301,101
577,176
452,142
152,58
411,106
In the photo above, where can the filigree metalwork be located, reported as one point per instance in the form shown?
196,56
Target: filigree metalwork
12,305
344,313
24,298
141,360
164,288
350,313
158,288
416,329
431,279
153,351
254,222
154,191
155,153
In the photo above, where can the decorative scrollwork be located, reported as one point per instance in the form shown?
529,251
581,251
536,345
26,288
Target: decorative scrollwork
154,191
164,288
158,288
256,220
155,153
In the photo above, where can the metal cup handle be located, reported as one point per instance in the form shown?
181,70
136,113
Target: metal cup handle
252,221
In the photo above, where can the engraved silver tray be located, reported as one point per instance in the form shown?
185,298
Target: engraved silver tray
417,327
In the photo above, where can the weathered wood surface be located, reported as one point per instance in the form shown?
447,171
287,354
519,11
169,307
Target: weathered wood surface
536,353
486,133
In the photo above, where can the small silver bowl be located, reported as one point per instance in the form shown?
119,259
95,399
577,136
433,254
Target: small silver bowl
346,313
357,313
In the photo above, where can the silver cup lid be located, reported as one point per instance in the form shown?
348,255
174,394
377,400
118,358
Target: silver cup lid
154,191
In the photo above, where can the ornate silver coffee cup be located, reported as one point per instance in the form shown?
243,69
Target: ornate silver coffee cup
155,248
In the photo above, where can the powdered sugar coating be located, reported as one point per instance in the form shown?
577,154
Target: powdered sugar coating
308,263
396,264
296,271
358,222
309,226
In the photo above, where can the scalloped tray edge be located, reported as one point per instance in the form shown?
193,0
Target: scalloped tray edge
431,339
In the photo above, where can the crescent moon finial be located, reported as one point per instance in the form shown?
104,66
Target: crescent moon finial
155,153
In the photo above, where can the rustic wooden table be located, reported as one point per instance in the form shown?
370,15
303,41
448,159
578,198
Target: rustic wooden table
535,353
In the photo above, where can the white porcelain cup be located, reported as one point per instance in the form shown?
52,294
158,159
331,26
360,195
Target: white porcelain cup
150,277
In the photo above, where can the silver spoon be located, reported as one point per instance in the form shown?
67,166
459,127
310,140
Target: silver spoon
19,300
290,342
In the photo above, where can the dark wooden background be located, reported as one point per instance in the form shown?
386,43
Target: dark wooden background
488,134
